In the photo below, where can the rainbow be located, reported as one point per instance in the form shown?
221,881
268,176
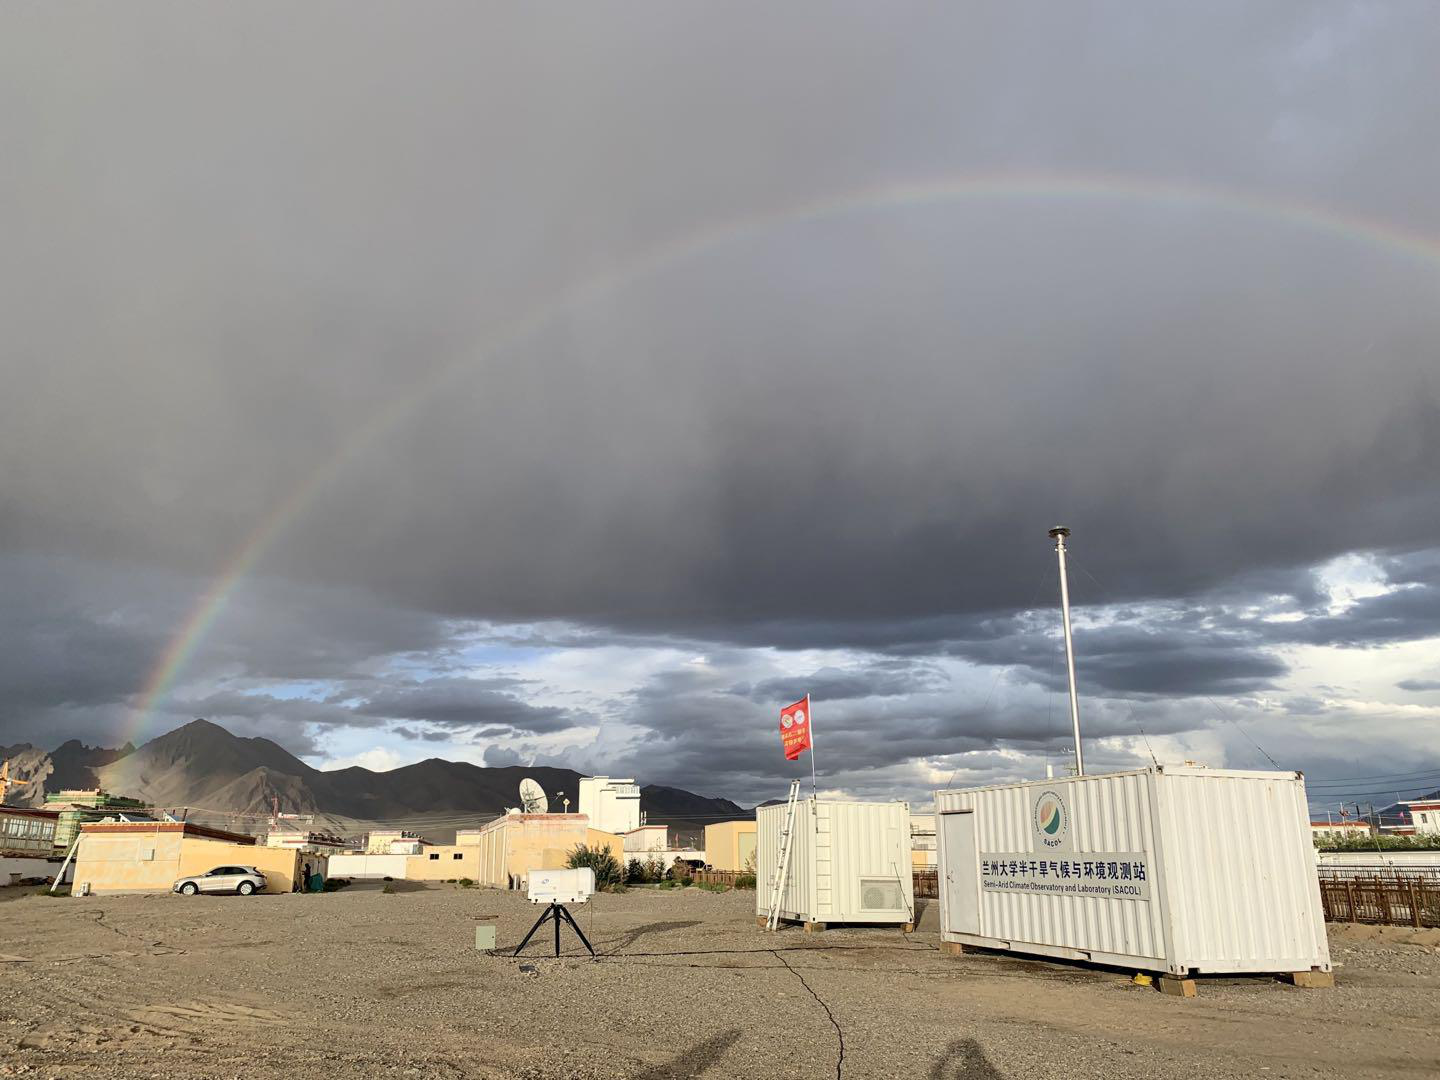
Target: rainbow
709,240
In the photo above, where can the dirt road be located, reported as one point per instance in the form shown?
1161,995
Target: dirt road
361,983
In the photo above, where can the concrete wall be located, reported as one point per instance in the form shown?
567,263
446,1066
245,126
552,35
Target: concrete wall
129,862
730,845
371,867
279,865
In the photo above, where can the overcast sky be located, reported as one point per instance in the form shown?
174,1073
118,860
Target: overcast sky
581,385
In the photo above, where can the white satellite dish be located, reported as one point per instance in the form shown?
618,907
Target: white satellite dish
532,797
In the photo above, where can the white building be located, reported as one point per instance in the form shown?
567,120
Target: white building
1339,830
612,805
312,843
393,842
1425,815
647,838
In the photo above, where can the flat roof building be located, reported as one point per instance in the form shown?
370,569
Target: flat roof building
27,832
1424,815
730,845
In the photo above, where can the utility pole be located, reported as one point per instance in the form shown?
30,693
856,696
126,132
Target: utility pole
1058,534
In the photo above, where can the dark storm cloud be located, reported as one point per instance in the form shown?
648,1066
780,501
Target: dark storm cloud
500,756
467,703
1157,656
870,417
420,735
882,678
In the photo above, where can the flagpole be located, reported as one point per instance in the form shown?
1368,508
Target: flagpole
814,793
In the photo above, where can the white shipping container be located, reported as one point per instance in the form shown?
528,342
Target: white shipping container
1175,870
849,862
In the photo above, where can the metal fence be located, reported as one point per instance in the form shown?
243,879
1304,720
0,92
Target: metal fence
927,884
722,877
1401,900
1428,874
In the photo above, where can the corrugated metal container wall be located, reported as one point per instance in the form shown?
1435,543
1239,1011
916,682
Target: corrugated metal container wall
493,869
798,901
1111,814
849,862
1216,870
1239,870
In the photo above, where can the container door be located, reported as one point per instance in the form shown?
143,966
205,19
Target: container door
961,888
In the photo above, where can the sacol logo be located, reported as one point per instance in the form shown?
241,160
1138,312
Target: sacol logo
1051,822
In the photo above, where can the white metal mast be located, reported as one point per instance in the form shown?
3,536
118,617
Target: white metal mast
1058,534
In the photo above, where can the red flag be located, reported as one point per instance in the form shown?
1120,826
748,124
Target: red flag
795,728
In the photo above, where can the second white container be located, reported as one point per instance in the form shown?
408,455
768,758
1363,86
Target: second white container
849,862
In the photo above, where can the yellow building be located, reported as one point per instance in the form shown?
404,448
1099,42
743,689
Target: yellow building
730,845
509,847
149,856
501,853
444,862
922,841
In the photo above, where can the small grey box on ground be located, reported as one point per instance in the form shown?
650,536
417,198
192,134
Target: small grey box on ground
485,936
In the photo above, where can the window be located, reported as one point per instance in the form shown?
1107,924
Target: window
435,855
457,855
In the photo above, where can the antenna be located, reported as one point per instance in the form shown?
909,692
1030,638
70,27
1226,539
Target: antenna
532,797
1058,534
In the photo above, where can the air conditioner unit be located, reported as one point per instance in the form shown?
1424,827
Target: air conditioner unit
881,894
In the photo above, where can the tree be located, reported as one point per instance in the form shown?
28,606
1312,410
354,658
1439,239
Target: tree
608,873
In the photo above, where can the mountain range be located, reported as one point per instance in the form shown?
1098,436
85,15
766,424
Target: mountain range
219,776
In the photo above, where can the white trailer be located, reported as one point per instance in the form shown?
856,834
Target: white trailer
1172,870
849,862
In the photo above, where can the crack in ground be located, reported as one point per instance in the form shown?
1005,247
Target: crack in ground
839,1035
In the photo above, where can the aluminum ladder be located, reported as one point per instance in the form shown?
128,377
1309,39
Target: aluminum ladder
782,872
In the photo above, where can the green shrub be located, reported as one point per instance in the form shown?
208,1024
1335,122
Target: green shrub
466,883
608,874
389,888
745,881
1378,843
635,873
334,884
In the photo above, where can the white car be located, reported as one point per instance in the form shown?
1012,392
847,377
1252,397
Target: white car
243,880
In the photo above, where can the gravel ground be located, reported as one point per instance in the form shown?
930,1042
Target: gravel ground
361,983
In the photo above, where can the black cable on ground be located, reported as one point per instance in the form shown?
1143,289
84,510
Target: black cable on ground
839,1035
